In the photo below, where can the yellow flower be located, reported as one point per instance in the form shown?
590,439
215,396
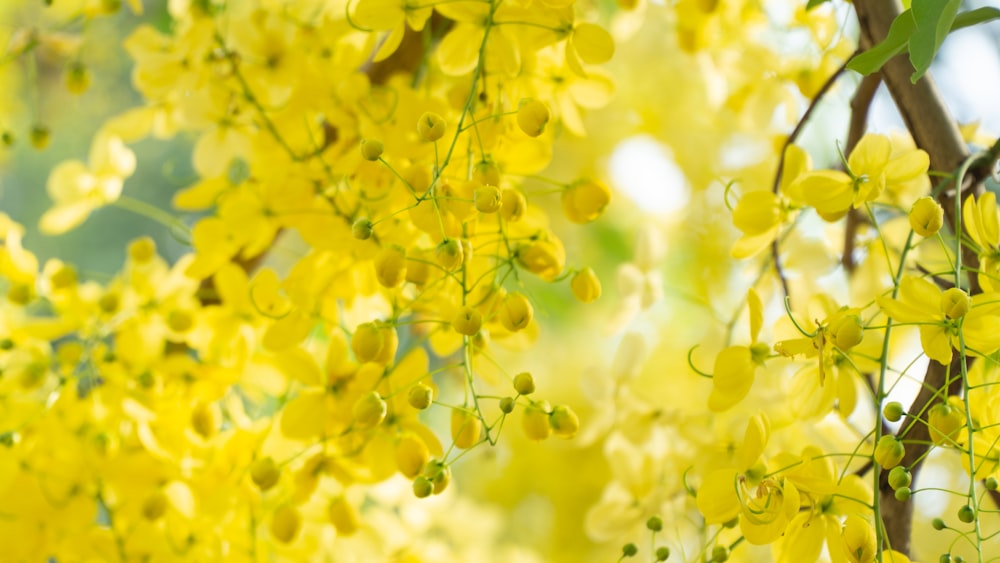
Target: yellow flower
735,366
78,189
941,315
982,223
870,168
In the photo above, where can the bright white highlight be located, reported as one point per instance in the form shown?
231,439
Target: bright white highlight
645,171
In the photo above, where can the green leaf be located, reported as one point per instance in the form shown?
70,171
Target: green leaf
933,19
813,3
973,17
895,41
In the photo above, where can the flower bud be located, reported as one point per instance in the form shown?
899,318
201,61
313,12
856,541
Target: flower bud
524,383
422,487
720,554
655,523
77,78
285,524
585,200
966,514
343,516
486,172
586,286
371,149
362,229
467,321
846,331
532,117
39,136
488,198
465,428
390,266
516,312
369,410
430,127
142,250
945,421
439,475
903,494
662,553
450,254
411,455
955,303
367,342
420,396
859,539
893,411
543,258
564,421
926,216
264,473
507,405
889,451
154,506
535,421
899,477
513,205
630,550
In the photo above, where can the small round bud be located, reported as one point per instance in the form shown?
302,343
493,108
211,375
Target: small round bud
154,506
893,411
77,78
629,550
371,149
411,455
938,524
465,428
362,229
516,312
662,553
285,524
40,136
430,127
420,396
564,422
899,477
488,198
524,383
946,421
467,321
889,452
966,514
513,205
450,254
846,330
720,554
902,494
655,523
586,286
535,421
142,250
926,216
367,342
439,474
7,138
422,487
264,473
507,405
959,559
369,410
992,483
585,200
955,303
486,172
390,266
343,516
945,558
532,117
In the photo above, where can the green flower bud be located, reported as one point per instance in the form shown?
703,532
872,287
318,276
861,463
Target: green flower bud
655,523
889,452
662,553
362,229
420,396
629,550
893,411
903,494
938,524
524,383
371,149
899,477
507,405
966,514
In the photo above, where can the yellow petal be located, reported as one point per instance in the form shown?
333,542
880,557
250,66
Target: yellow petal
717,500
733,377
593,43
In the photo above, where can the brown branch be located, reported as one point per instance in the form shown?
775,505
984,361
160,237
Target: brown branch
936,132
